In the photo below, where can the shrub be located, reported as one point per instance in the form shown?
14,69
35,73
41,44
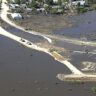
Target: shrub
18,10
54,11
81,10
94,6
48,8
93,89
52,50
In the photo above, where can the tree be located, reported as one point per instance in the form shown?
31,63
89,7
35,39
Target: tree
23,1
59,2
49,2
33,4
48,8
40,1
17,1
93,89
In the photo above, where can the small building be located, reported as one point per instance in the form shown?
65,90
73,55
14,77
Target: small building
28,10
55,1
13,6
40,9
81,2
23,6
16,16
56,7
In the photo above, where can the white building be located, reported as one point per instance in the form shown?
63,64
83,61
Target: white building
55,1
13,6
16,16
82,2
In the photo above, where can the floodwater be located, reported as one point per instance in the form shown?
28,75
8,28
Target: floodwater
77,59
85,26
74,56
73,47
20,33
26,72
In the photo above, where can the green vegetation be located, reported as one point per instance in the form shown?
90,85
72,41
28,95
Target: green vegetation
49,2
54,11
17,1
60,2
93,89
52,50
91,1
19,10
33,4
81,10
0,4
48,6
57,11
94,6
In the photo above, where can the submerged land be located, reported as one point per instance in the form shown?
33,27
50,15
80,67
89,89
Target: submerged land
77,55
16,32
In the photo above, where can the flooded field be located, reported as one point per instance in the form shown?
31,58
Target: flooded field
77,60
76,54
26,72
85,27
20,33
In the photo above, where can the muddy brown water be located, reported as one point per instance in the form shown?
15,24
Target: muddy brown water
26,72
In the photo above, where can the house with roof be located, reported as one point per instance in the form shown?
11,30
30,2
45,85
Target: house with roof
14,6
55,1
16,16
81,2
